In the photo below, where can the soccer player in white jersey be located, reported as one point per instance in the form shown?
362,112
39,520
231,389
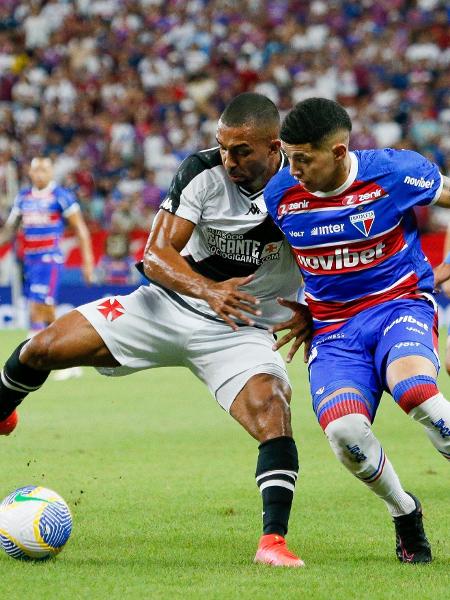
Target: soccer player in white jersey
216,265
349,218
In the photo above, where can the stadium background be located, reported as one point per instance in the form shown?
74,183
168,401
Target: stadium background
118,92
159,480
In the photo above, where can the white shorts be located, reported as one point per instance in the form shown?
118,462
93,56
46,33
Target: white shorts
149,328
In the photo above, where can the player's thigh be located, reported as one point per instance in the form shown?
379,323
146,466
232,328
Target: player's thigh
142,330
342,379
408,343
225,360
69,341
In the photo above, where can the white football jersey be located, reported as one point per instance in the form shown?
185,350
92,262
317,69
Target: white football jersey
234,235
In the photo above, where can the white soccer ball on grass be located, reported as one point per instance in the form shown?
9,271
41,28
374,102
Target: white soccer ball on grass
35,523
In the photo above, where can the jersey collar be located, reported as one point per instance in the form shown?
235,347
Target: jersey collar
44,191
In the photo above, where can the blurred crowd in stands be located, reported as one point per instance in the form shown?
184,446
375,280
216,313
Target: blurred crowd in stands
118,92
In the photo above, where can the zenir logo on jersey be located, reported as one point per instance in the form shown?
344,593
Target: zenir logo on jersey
363,222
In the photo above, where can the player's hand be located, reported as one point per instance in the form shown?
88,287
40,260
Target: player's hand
441,274
231,303
300,329
88,274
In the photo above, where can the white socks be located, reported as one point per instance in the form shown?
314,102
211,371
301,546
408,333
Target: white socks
434,415
355,445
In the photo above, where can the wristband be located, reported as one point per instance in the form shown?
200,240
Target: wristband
447,259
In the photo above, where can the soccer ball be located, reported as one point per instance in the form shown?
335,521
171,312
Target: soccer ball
35,523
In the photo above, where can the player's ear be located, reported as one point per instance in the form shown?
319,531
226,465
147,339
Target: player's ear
339,151
274,146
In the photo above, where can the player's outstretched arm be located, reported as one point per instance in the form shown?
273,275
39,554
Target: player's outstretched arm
441,274
78,224
299,329
9,229
164,264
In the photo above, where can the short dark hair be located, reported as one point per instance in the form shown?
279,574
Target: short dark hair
312,120
250,107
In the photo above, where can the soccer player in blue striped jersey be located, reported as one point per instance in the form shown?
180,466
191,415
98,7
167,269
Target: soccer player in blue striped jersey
350,221
42,211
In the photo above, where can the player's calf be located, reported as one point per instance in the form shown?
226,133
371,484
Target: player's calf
276,476
16,381
354,444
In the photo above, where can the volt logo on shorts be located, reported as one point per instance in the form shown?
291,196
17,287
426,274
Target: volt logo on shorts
363,222
406,319
442,428
342,259
111,309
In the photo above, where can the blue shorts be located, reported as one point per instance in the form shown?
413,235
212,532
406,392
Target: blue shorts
356,355
42,281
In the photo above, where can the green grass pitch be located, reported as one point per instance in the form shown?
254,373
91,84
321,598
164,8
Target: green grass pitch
160,482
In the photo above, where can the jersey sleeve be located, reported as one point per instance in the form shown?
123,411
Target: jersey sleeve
419,182
68,202
187,193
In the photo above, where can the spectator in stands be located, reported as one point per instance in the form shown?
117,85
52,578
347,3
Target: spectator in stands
137,82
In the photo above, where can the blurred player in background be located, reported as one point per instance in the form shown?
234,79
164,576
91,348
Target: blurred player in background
216,264
42,212
117,265
349,219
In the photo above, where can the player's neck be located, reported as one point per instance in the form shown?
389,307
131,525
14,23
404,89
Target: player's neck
343,173
46,188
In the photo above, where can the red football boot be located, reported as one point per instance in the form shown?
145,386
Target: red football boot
9,424
272,550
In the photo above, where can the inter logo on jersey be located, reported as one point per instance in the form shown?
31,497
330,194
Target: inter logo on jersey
363,222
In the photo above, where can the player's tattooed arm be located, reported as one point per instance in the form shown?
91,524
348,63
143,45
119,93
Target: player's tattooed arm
444,198
299,328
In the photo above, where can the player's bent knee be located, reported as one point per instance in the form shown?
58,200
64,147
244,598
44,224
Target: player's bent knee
262,408
354,444
349,430
37,352
271,406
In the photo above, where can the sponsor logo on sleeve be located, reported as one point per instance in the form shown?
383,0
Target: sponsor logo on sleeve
420,183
